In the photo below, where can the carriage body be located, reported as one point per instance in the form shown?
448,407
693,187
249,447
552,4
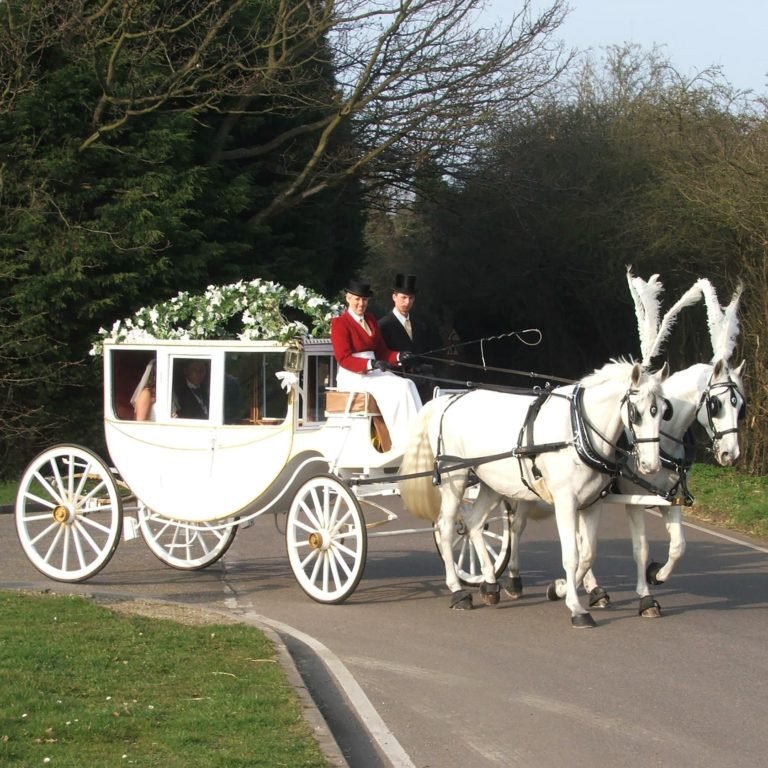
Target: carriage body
221,465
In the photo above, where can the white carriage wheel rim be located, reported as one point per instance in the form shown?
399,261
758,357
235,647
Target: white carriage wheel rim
184,538
325,530
60,522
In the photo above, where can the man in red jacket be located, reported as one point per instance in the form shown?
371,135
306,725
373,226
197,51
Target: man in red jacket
364,362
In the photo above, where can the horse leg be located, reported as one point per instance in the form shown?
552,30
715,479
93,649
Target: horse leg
566,515
589,522
513,585
451,493
649,608
673,520
474,519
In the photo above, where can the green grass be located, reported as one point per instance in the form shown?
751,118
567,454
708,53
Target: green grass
8,492
727,497
81,685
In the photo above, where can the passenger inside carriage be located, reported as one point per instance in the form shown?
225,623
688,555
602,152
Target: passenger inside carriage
191,389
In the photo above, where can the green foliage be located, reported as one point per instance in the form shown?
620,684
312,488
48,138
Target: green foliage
92,687
113,199
729,497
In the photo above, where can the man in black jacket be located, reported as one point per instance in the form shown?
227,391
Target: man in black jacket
403,333
190,391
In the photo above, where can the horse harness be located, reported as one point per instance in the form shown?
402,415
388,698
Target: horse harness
525,449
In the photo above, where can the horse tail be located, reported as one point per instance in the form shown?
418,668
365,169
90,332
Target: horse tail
419,496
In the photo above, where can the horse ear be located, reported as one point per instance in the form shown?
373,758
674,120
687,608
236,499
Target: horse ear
738,371
662,374
637,372
719,367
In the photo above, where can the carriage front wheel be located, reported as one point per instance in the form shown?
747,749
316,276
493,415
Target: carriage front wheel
69,514
326,539
182,545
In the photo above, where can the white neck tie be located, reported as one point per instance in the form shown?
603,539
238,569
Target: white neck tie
364,324
408,328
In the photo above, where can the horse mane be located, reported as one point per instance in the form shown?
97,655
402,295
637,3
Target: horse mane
615,368
723,323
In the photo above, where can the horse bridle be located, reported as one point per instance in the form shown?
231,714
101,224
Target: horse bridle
714,406
635,417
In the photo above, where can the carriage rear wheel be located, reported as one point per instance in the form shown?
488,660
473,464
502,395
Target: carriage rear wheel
69,513
326,539
498,544
182,545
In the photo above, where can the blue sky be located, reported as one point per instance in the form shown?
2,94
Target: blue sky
694,34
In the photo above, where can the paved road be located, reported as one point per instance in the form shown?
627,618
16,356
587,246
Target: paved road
505,686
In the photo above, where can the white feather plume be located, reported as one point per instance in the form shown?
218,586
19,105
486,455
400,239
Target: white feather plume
691,296
647,302
723,323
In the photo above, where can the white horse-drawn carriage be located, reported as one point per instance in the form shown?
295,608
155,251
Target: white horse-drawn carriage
276,438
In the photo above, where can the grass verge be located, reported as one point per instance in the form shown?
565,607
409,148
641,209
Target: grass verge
85,686
726,497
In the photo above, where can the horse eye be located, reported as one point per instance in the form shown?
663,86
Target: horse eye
734,400
654,410
634,414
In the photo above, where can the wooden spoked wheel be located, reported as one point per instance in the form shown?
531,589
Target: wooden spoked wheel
69,514
326,539
182,545
498,544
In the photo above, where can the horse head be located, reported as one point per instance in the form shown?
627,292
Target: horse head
643,409
721,406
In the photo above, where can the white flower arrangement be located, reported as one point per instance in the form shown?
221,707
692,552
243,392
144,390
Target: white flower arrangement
243,310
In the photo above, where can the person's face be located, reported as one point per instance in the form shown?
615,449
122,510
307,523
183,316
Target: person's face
403,302
358,304
195,372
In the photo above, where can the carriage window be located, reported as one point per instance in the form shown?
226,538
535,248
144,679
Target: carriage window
133,383
191,388
320,372
252,392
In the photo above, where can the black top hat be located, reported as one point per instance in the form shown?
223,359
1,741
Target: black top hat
359,288
405,284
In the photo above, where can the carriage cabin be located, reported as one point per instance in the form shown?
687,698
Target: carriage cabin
221,444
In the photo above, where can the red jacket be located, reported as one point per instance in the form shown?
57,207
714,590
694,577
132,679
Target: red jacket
348,336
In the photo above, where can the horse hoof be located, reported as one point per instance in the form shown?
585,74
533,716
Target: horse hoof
490,593
651,573
583,621
552,591
649,608
461,600
513,587
599,598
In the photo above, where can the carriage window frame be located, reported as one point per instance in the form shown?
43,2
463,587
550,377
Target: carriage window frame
261,399
318,375
126,369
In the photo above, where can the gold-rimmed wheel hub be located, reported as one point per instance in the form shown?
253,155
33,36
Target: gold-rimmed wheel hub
316,540
61,514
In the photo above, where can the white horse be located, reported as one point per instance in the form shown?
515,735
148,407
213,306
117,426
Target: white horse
710,394
560,445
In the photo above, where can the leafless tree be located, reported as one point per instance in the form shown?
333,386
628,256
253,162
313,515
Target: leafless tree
404,82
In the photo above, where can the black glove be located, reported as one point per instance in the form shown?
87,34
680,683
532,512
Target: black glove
380,365
406,355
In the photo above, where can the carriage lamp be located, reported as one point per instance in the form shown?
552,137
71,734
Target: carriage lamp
294,358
